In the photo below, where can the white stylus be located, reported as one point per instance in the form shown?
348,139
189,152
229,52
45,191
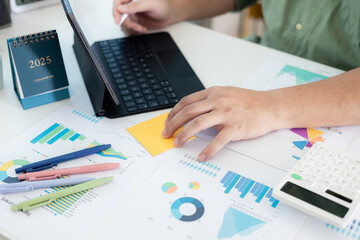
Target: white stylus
123,18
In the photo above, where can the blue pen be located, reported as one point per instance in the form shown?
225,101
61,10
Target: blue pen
53,162
28,186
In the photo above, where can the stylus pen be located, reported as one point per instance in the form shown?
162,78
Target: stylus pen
28,186
51,197
52,162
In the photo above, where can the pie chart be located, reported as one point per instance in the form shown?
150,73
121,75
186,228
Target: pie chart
169,187
194,185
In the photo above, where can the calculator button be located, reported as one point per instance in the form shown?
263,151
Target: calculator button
347,174
338,187
352,194
305,165
311,158
356,162
316,153
343,181
321,147
335,168
311,176
309,181
345,156
352,168
330,156
318,170
330,175
339,162
296,176
355,186
357,179
300,171
324,181
323,164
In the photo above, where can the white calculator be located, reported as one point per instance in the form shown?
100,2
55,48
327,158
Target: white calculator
325,183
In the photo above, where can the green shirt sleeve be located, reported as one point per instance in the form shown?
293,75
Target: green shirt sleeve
241,4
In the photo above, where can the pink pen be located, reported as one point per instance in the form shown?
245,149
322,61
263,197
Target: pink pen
52,174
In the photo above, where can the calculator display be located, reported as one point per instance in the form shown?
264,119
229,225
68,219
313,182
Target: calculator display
314,199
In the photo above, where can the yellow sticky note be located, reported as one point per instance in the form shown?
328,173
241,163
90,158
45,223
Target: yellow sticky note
148,134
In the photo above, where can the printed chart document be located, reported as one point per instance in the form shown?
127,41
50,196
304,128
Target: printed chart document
172,195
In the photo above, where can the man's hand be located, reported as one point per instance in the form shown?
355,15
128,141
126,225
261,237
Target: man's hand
143,14
236,113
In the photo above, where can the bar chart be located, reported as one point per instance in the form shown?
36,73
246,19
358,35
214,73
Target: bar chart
57,132
61,205
247,186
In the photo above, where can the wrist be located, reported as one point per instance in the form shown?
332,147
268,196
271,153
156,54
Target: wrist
279,110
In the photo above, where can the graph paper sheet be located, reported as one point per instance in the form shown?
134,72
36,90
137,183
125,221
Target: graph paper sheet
172,195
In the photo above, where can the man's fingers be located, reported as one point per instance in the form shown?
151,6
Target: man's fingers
187,114
198,124
185,101
117,15
136,7
134,27
219,142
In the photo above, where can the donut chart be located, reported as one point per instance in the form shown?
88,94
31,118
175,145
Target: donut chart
199,212
4,175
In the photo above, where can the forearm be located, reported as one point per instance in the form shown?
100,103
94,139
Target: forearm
196,9
331,102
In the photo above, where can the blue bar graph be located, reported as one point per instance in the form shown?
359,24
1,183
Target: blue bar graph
228,174
227,183
43,134
246,185
243,186
247,189
255,187
58,136
258,191
262,194
74,137
242,180
232,184
56,132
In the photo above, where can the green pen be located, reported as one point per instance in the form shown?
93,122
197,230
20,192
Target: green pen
49,198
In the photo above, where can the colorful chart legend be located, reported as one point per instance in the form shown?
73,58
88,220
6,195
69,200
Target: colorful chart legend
311,134
55,133
246,185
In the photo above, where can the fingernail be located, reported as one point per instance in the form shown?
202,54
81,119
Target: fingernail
201,157
176,142
164,133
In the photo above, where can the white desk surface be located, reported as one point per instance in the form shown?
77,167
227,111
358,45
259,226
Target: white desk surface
216,58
